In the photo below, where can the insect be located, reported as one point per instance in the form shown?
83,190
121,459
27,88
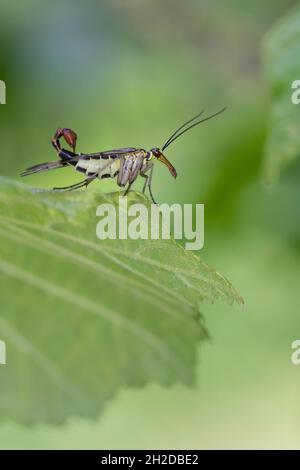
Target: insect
125,164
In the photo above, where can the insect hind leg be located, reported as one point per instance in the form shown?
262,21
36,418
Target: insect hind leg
79,185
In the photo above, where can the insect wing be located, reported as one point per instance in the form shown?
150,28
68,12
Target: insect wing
114,153
120,151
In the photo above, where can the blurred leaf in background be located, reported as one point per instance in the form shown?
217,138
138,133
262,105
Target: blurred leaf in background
281,58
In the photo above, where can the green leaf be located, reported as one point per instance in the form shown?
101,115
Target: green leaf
281,54
83,317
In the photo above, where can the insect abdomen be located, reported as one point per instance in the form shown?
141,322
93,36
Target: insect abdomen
101,168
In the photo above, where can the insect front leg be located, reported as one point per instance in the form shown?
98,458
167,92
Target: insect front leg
148,179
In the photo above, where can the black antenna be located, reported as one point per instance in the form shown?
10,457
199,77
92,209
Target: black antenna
176,135
181,127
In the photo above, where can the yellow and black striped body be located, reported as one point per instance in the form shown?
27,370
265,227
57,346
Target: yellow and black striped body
124,163
107,167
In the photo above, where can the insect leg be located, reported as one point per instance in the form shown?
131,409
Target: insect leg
81,184
127,189
145,184
148,178
149,186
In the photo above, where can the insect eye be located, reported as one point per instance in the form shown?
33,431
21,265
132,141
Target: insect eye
155,152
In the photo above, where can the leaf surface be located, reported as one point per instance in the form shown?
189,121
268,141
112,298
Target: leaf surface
83,317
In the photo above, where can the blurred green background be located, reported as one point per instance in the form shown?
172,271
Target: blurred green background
126,73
